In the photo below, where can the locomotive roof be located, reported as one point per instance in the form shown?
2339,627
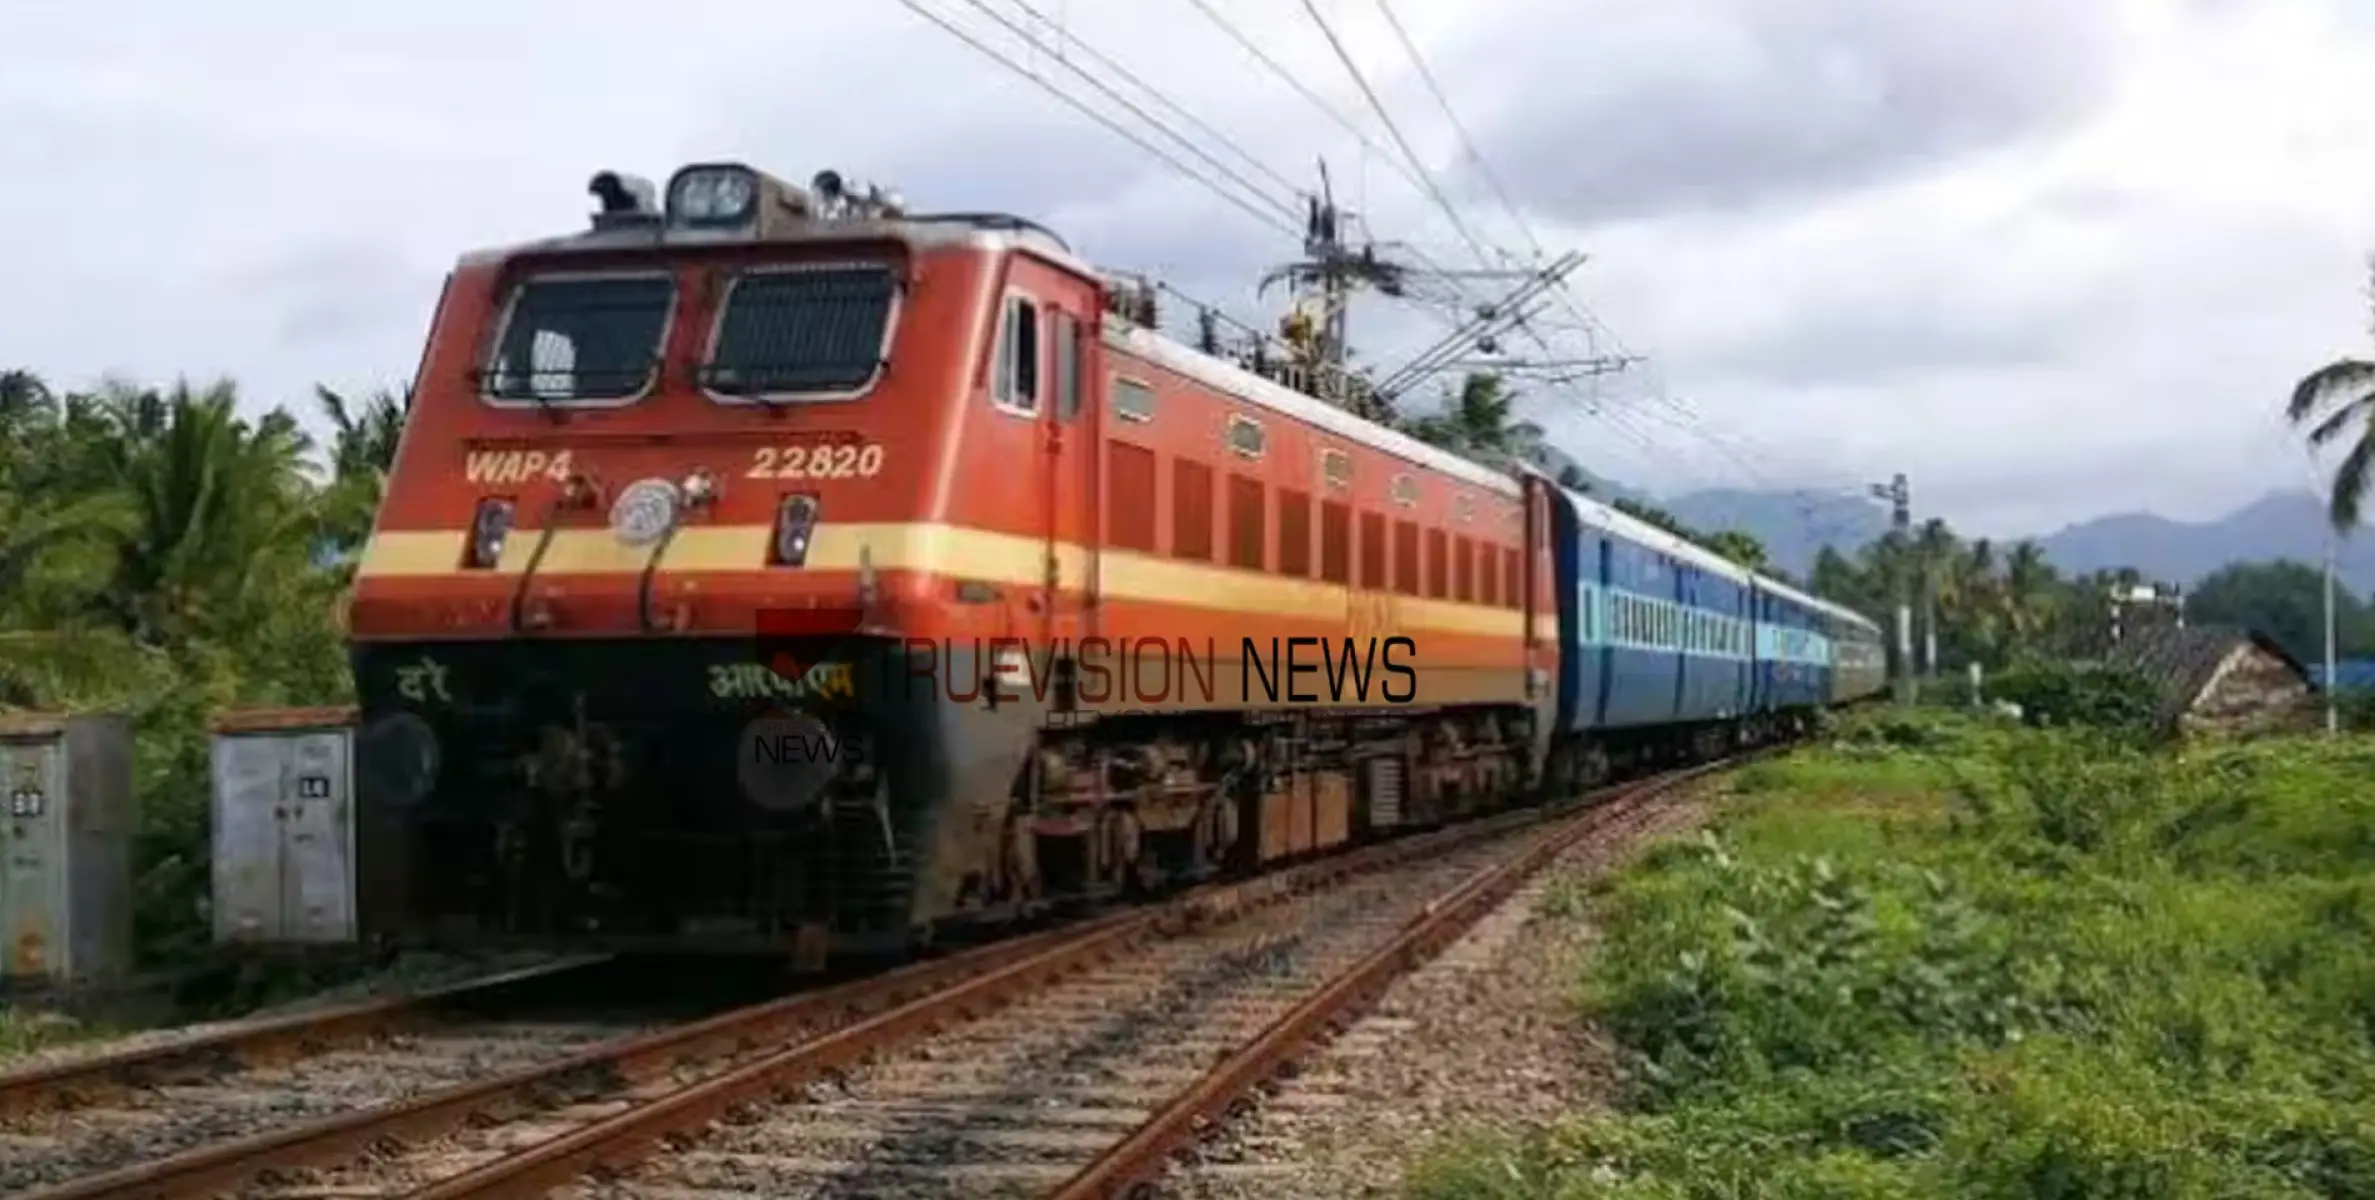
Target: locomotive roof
978,230
1233,380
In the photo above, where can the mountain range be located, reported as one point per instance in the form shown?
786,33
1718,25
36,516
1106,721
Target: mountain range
1795,525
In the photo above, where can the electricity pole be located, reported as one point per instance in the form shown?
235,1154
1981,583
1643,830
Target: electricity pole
1899,495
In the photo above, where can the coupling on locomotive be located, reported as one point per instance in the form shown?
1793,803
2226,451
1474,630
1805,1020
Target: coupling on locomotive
770,568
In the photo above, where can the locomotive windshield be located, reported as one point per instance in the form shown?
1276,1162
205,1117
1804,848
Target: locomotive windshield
581,337
809,331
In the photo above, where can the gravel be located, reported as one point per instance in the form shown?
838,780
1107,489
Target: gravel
1484,1036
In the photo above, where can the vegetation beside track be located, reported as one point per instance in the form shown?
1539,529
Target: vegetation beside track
1943,956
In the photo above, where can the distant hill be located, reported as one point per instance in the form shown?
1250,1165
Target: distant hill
2285,524
1796,525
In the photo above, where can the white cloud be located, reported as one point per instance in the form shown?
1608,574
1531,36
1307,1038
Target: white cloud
2051,260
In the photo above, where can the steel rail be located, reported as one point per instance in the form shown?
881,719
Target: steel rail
78,1081
631,1136
1140,1157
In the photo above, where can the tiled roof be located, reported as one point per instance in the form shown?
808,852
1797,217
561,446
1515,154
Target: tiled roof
2181,662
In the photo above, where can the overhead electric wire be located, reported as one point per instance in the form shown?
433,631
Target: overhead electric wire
1376,105
1427,77
1266,218
1316,100
1107,61
1288,209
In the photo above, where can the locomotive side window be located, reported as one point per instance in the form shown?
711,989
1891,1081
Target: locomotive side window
1018,357
1067,363
1336,466
1245,435
1133,400
580,339
801,332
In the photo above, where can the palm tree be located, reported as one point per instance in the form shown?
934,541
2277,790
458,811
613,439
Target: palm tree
360,459
1477,422
212,500
2340,396
2027,595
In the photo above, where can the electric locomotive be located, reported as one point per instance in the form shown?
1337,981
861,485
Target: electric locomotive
773,568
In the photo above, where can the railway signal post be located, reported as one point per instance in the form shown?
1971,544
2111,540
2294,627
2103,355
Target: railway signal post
1899,495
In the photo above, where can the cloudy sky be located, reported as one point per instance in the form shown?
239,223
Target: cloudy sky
2052,258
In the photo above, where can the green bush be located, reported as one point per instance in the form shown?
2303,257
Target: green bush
2057,694
1949,958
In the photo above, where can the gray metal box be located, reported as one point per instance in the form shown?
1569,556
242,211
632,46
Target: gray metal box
67,820
284,828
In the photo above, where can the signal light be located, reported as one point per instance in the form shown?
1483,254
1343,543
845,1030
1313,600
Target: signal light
487,530
795,525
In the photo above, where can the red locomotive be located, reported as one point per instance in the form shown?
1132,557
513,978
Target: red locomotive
923,497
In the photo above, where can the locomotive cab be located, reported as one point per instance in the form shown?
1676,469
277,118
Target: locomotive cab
671,490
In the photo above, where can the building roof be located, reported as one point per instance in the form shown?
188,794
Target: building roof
2181,661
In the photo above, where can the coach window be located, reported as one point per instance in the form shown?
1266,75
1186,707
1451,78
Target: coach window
1018,357
1133,400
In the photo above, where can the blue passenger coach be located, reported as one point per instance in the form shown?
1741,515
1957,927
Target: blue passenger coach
1793,649
1656,631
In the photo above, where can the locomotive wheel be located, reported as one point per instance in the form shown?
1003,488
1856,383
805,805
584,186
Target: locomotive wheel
1018,861
1119,847
1216,832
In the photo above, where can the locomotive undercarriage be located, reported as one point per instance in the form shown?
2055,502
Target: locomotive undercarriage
636,795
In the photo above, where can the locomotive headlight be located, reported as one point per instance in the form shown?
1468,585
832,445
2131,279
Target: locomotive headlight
713,195
795,526
645,511
487,531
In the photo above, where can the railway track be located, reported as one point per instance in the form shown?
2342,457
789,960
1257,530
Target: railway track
1087,1053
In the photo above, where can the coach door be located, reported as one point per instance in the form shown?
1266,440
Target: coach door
1070,477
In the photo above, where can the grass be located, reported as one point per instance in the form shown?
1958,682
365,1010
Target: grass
1946,958
22,1032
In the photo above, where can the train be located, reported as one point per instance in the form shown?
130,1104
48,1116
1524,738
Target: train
772,569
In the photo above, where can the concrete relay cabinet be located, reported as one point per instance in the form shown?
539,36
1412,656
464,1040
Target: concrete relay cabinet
67,820
284,828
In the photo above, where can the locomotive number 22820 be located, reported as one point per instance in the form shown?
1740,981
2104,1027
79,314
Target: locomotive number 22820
831,460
